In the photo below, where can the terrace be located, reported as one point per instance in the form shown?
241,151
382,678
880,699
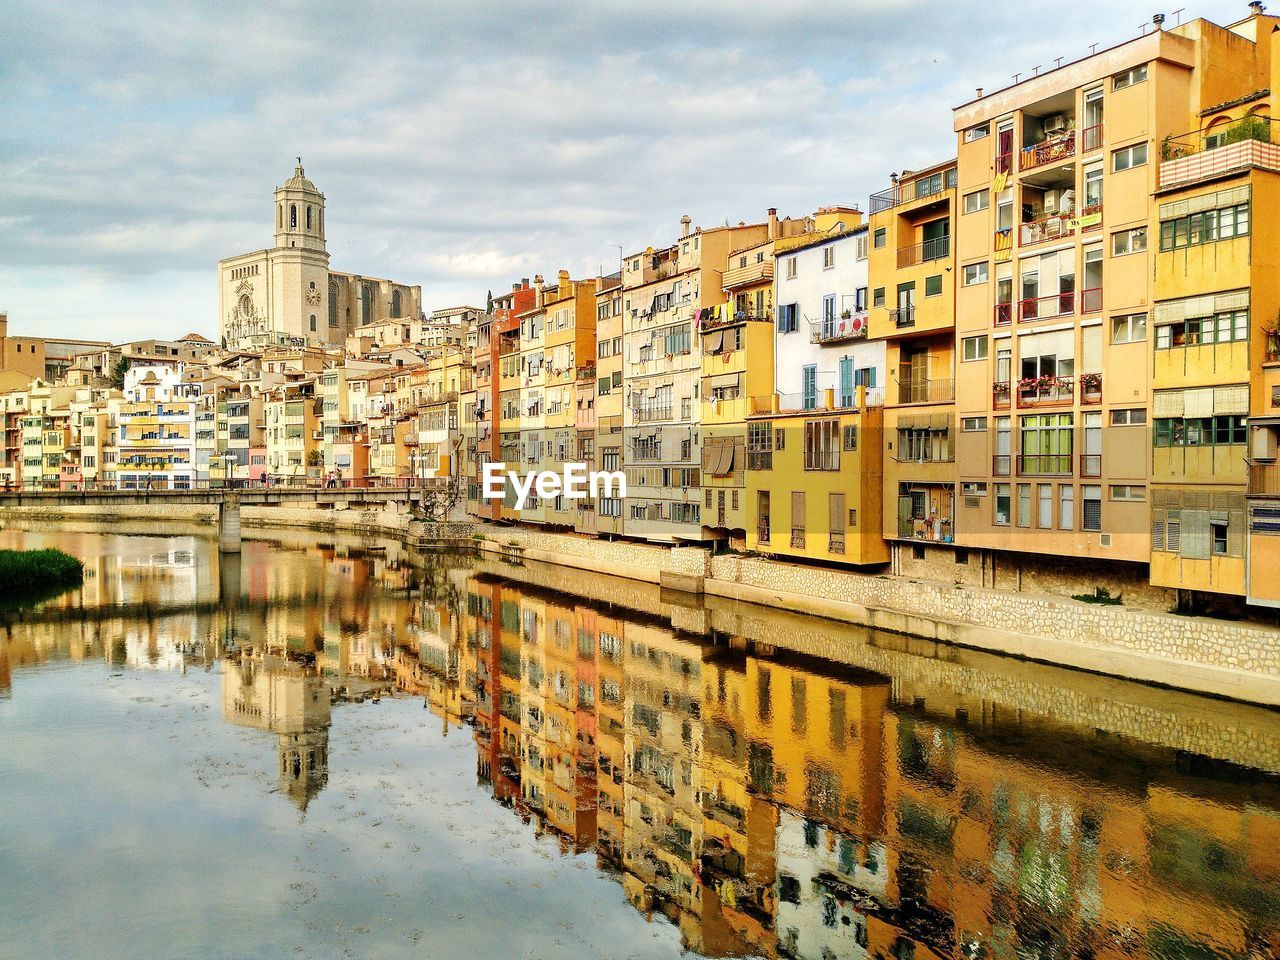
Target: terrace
1218,149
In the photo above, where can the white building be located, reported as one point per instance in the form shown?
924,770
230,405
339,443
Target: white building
821,302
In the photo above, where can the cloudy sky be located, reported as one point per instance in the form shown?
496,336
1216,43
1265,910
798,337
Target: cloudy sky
461,145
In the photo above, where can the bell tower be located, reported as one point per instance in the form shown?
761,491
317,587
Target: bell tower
299,213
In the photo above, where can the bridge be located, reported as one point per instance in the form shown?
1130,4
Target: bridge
228,501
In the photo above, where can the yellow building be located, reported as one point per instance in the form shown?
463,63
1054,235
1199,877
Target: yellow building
608,451
912,309
569,345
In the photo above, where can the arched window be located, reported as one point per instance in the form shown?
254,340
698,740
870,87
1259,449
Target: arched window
280,216
313,323
333,303
293,216
313,284
366,304
308,216
395,303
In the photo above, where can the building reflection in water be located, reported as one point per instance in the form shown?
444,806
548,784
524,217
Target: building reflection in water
766,803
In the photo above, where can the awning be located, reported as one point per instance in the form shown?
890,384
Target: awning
721,381
714,341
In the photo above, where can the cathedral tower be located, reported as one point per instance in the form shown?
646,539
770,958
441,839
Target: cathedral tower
299,213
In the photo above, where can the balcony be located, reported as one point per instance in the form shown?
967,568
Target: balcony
1090,389
838,329
753,272
651,414
1215,151
1002,244
587,373
1049,151
1046,391
1055,227
1264,479
835,542
1091,465
1045,308
1044,464
926,391
920,188
939,248
797,539
1003,314
1000,395
762,531
1000,464
923,528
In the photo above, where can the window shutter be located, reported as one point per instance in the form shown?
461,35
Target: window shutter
1157,529
1196,541
797,510
1235,533
1173,536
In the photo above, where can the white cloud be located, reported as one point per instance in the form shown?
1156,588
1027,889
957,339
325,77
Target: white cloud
461,146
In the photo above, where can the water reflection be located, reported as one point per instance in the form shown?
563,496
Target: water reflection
766,802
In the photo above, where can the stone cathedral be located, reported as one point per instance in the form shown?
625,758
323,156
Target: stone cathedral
286,295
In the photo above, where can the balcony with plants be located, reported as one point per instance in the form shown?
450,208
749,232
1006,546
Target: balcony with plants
1221,147
1048,132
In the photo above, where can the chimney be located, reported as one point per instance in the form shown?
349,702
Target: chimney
684,225
1158,20
562,279
773,223
4,325
980,93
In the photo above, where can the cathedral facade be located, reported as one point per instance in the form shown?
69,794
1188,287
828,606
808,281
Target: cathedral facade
286,295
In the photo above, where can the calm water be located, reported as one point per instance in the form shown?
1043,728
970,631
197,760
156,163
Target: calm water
327,750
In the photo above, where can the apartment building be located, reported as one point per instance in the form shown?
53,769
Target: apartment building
608,441
912,270
531,398
667,296
1112,292
570,347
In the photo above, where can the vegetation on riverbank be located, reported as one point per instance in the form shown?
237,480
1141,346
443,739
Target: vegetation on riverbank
28,576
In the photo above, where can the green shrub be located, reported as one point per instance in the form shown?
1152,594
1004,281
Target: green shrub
29,575
1100,595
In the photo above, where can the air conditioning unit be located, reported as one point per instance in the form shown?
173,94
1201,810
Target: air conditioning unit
1104,539
1055,125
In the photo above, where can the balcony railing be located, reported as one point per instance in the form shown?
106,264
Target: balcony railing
1090,388
1054,227
822,460
903,316
1046,391
1091,300
1044,464
1264,478
1050,151
1000,395
1000,464
936,249
797,539
1003,314
924,528
1004,162
759,459
926,391
1041,308
1091,465
838,329
587,373
650,414
1091,138
762,531
835,542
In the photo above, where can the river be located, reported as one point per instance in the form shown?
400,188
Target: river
346,748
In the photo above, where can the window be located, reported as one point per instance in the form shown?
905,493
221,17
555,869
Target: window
1044,506
1207,226
861,246
1131,328
933,286
1066,507
851,437
1024,504
1127,157
788,318
975,273
1226,327
1129,78
1133,417
1129,241
880,238
1128,491
973,488
977,201
973,424
975,348
790,268
313,323
828,257
877,297
1219,431
822,445
1091,517
977,132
